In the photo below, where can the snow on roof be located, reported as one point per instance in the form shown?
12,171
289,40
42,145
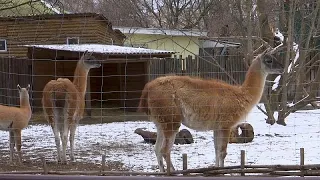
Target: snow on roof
102,49
159,31
218,44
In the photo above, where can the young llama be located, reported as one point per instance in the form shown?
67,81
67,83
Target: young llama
63,104
14,119
203,105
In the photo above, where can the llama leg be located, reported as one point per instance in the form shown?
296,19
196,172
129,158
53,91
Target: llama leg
12,144
157,148
17,138
216,146
64,138
53,119
169,137
73,128
57,141
223,140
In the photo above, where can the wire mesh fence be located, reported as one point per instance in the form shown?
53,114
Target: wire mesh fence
112,138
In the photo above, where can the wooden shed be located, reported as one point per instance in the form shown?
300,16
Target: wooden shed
78,28
118,83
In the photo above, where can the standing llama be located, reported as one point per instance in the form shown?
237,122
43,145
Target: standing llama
63,104
203,105
14,119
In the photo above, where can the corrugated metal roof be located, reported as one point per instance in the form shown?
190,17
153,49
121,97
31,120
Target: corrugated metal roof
218,44
160,31
103,49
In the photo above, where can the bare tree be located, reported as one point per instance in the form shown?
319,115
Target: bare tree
299,21
28,7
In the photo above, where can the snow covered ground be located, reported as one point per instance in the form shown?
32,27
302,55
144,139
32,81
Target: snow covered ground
272,144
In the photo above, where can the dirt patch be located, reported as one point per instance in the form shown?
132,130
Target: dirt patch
32,164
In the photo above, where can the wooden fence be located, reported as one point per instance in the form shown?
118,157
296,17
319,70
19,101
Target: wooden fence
13,71
231,69
243,169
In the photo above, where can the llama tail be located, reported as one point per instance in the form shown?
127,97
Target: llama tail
143,104
53,95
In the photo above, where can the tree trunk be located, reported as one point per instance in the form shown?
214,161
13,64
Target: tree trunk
267,35
265,31
289,44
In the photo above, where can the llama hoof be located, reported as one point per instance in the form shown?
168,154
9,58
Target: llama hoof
270,121
62,162
281,123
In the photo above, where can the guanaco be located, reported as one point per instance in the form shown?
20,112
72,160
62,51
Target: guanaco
63,104
203,105
14,119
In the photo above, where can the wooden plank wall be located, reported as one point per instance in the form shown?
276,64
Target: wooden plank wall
13,71
161,67
54,31
133,79
205,67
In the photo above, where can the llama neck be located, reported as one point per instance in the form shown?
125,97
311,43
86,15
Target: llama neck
24,102
80,78
255,81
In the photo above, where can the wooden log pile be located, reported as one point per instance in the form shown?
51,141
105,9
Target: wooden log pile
246,135
183,137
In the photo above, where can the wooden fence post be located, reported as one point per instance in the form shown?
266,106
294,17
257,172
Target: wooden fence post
45,167
184,163
302,161
242,161
103,162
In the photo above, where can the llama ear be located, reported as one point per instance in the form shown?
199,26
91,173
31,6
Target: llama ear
19,88
28,87
269,49
84,55
89,54
277,49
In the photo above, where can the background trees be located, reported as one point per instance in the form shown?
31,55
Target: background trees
253,22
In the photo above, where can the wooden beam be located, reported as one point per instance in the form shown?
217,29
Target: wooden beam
88,97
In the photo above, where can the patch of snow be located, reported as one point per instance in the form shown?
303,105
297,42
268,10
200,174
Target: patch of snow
291,104
279,34
276,83
50,6
101,48
271,145
296,49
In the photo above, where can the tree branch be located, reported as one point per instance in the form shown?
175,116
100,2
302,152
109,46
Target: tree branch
18,5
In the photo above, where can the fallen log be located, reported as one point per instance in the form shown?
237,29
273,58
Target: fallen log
246,136
183,137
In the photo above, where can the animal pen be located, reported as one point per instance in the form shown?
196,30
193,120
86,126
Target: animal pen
107,145
106,142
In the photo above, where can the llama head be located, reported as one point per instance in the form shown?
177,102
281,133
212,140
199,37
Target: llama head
90,61
269,63
23,91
